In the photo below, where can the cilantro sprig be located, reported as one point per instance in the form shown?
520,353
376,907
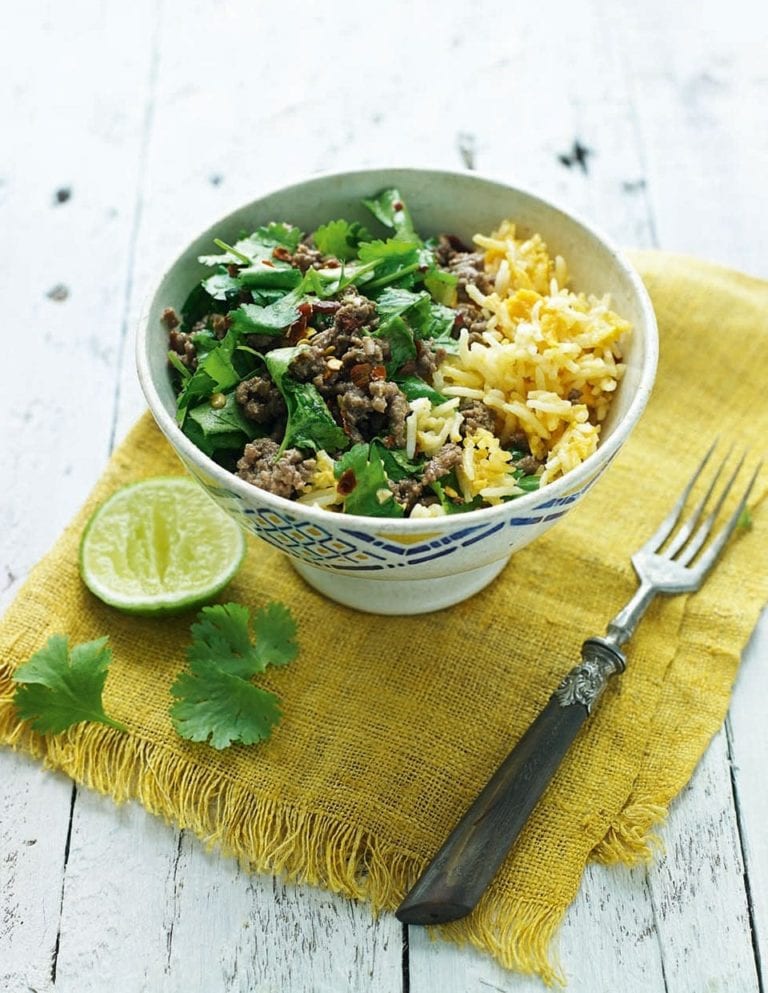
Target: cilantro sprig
59,686
215,698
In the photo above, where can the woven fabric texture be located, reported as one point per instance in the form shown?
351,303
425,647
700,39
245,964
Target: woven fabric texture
392,725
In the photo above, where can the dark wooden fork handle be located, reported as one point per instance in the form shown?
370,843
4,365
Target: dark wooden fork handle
458,875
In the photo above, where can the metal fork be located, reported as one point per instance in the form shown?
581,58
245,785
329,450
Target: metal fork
673,560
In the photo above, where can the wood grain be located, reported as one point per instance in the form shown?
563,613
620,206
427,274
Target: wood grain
138,125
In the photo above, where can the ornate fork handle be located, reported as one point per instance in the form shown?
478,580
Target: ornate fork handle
469,859
675,559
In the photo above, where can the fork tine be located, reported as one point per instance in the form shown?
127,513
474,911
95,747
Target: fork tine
686,530
701,535
708,559
665,528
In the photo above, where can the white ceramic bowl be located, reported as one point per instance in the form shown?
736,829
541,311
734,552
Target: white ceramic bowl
408,566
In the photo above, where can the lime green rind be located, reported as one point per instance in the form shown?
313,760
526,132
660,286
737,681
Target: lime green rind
163,604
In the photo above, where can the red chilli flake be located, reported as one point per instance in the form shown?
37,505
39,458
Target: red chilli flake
347,482
360,374
326,306
378,372
281,252
398,205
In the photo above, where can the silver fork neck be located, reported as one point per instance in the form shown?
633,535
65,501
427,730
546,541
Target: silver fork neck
623,625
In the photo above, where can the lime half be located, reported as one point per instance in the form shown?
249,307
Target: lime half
159,546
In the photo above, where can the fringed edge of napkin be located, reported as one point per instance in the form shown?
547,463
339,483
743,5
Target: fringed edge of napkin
632,837
272,837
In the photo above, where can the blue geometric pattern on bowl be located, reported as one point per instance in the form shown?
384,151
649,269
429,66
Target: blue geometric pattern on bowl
350,550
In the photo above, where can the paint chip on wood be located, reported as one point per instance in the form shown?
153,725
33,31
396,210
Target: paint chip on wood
577,156
59,293
467,146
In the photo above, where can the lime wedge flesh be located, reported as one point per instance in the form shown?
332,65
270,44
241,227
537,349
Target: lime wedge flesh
160,546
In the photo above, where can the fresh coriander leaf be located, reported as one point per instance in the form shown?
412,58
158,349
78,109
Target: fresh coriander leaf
221,286
275,631
58,687
438,487
329,282
216,705
222,636
413,307
425,318
396,463
278,275
310,422
198,305
175,359
413,387
340,239
363,470
215,373
528,483
204,342
396,261
273,319
220,429
401,343
259,245
389,208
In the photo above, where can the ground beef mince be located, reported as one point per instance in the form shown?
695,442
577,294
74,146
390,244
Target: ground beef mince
409,492
355,313
441,464
182,344
470,316
387,398
428,360
260,400
220,324
448,245
307,257
308,364
476,415
170,318
348,367
286,476
528,465
469,268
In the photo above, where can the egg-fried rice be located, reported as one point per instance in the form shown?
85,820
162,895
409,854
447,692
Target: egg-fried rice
549,359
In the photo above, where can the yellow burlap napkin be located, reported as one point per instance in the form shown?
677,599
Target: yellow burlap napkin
392,725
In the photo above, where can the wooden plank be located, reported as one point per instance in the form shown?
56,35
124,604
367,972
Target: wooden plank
170,916
35,807
233,931
608,942
146,908
748,745
67,184
699,90
698,890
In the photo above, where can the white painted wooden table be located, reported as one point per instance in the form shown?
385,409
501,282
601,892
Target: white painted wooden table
127,128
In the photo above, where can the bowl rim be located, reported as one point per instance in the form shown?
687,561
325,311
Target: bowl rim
563,486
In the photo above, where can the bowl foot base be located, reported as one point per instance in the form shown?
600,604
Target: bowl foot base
400,596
